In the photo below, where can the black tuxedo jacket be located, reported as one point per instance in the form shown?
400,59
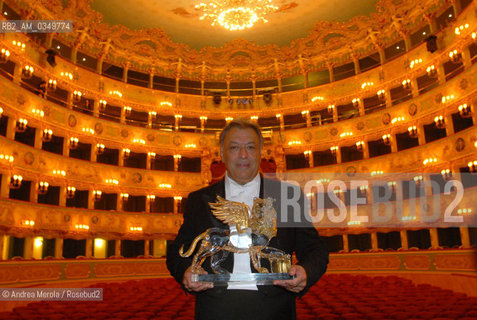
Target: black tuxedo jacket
310,251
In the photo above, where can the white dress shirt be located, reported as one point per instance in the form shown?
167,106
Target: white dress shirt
244,194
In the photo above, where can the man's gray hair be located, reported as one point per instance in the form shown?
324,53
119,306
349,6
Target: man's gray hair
241,124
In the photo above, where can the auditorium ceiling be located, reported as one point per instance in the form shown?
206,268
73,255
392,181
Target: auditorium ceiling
180,19
168,37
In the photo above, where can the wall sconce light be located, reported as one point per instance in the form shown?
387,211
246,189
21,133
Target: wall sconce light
331,108
381,94
116,93
1,112
59,173
412,131
127,110
74,143
363,189
47,135
228,119
70,192
51,85
38,112
21,125
392,185
177,198
16,182
124,197
278,116
77,96
431,71
97,195
415,62
28,223
461,28
43,187
334,150
447,98
140,141
474,35
27,72
135,229
178,116
177,158
6,158
472,166
367,84
455,56
151,155
82,227
88,130
100,148
68,75
418,180
317,98
377,173
112,181
102,104
429,161
19,44
307,154
446,174
346,134
151,197
355,102
406,84
464,111
387,139
305,113
152,114
440,123
126,153
165,104
4,55
165,186
360,145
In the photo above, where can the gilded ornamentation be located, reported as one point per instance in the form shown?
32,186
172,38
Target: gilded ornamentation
153,48
459,144
412,109
360,125
307,136
77,270
150,137
124,133
386,118
334,131
72,120
98,128
177,140
455,262
136,178
417,262
464,84
29,158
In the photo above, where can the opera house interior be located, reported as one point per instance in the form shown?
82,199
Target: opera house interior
107,124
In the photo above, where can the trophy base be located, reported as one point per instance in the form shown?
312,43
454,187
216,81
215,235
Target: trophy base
252,278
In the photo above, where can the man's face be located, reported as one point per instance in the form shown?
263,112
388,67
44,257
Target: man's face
241,154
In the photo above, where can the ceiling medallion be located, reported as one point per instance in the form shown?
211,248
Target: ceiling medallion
236,14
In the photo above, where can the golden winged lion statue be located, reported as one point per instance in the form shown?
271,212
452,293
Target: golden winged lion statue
258,227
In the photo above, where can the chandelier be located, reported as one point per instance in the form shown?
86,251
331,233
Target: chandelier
236,14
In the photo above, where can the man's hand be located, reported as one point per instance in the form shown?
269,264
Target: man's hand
294,285
195,286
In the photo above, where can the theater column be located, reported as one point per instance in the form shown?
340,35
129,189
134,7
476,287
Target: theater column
449,124
125,72
3,240
404,242
62,196
28,248
466,59
38,142
4,188
11,123
374,241
421,135
464,237
150,84
89,248
434,238
94,152
147,244
117,248
59,248
345,243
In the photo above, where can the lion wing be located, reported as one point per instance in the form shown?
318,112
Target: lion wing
231,212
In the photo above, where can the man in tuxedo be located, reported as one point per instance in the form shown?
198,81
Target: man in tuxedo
241,145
